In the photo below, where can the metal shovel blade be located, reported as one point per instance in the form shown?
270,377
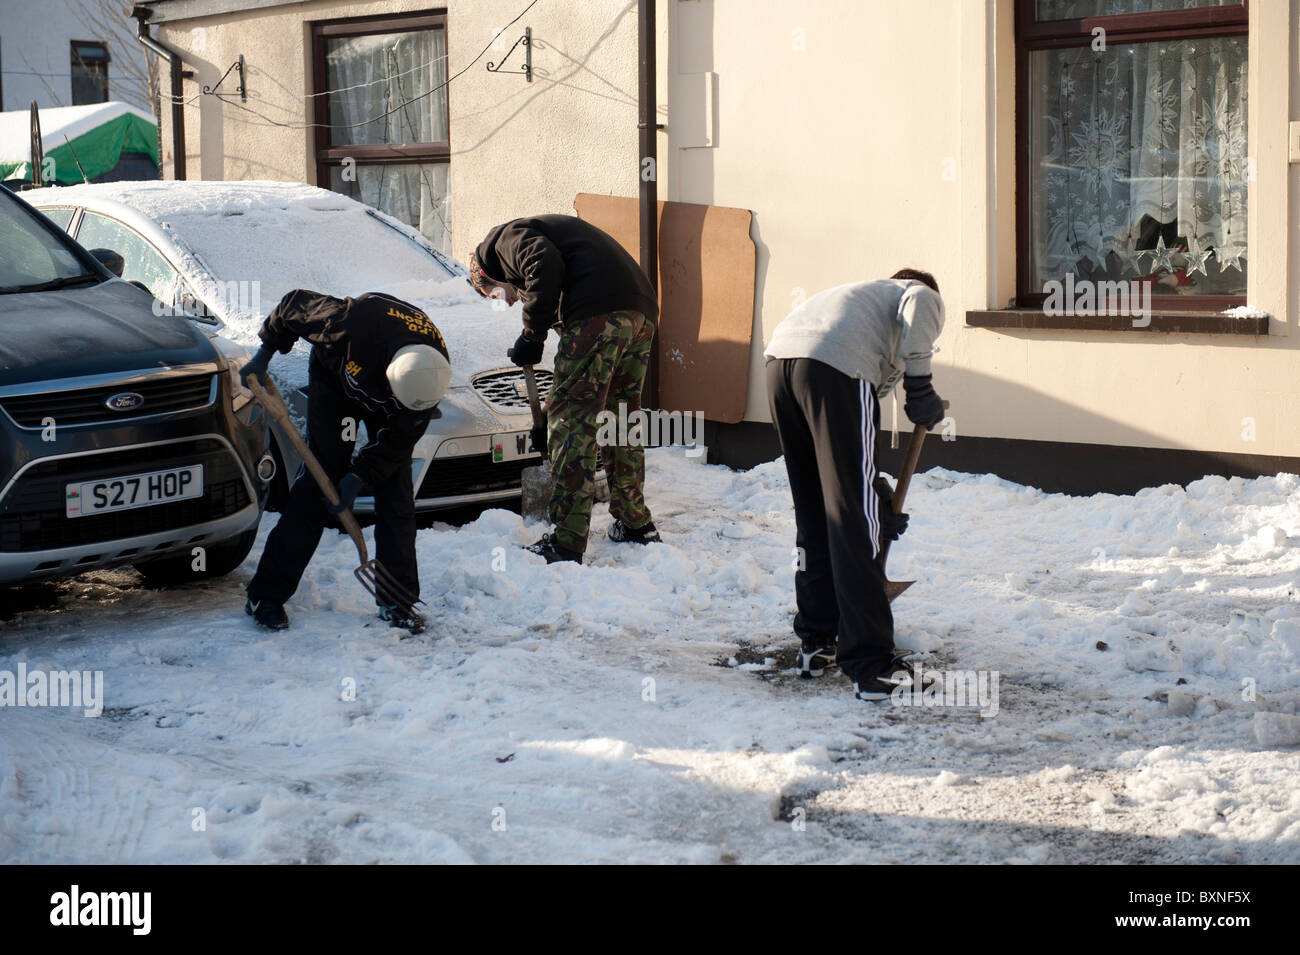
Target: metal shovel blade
537,484
895,587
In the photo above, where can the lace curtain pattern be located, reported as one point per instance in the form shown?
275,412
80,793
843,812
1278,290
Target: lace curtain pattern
1140,148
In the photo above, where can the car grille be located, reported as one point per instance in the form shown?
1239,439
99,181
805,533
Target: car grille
506,389
84,405
471,474
33,515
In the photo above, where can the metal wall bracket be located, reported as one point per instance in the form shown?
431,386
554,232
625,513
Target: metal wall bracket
527,41
238,65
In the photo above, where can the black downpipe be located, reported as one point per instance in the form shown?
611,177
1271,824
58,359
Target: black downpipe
648,173
177,93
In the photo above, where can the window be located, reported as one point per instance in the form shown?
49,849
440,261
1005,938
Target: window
381,109
1133,161
143,263
89,72
59,215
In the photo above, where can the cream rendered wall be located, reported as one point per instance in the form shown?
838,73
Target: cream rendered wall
518,148
870,135
833,122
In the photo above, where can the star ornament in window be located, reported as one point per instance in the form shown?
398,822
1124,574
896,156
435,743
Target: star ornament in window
1162,257
1197,257
1231,258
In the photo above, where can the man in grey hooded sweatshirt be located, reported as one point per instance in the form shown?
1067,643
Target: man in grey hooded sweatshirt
829,363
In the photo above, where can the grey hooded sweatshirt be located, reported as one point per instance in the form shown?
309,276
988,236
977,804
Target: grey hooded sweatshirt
874,331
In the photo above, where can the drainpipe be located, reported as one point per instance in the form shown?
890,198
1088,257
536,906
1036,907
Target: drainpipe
647,129
177,97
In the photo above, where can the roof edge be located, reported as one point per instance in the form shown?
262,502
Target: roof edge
165,11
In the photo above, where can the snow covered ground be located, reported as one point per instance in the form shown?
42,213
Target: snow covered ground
641,709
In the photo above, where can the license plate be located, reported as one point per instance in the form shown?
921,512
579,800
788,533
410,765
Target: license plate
512,447
134,490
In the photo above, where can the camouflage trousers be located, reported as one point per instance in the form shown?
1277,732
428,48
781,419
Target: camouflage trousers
601,365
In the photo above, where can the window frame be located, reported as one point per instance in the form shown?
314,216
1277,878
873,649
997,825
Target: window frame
77,60
329,156
1032,36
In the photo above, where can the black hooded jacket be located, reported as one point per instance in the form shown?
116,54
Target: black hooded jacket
355,339
565,270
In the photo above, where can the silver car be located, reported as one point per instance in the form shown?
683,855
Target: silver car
226,252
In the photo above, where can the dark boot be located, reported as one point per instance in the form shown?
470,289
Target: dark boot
268,616
622,534
403,618
553,552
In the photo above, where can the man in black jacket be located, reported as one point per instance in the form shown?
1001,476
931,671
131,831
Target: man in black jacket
377,360
569,273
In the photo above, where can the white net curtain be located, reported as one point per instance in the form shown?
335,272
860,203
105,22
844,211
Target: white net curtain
1139,162
374,76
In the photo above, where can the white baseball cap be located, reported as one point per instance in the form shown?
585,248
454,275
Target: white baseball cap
419,375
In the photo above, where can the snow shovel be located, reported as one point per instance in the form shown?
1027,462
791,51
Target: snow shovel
895,587
370,573
537,482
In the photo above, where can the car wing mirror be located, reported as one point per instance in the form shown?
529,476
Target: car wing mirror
111,260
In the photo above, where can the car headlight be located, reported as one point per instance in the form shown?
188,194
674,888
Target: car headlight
239,395
236,357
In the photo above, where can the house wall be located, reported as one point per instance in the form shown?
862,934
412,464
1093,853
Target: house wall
36,54
517,147
865,135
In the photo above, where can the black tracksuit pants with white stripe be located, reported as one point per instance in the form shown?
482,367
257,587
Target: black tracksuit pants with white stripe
827,423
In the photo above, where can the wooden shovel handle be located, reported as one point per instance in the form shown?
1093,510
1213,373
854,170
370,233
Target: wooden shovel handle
530,380
910,460
269,397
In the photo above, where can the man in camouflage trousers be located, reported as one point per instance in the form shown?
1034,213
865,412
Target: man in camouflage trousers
570,274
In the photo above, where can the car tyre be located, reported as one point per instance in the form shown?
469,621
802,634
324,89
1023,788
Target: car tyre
222,558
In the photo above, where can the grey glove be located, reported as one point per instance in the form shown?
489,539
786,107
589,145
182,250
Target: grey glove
257,365
922,406
348,488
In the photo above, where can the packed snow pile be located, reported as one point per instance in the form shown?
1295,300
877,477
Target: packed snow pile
642,708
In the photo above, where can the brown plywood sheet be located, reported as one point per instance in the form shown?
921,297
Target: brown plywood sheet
706,298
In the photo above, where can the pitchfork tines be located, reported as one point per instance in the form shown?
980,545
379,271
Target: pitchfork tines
384,587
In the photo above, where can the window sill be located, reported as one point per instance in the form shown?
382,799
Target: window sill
1199,323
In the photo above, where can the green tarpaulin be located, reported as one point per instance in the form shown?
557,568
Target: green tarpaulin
97,148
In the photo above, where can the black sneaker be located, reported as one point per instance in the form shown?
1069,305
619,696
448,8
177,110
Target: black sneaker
620,533
549,548
403,618
875,688
816,656
268,616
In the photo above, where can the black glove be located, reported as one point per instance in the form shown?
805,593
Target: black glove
893,525
538,435
526,351
922,406
257,365
348,489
